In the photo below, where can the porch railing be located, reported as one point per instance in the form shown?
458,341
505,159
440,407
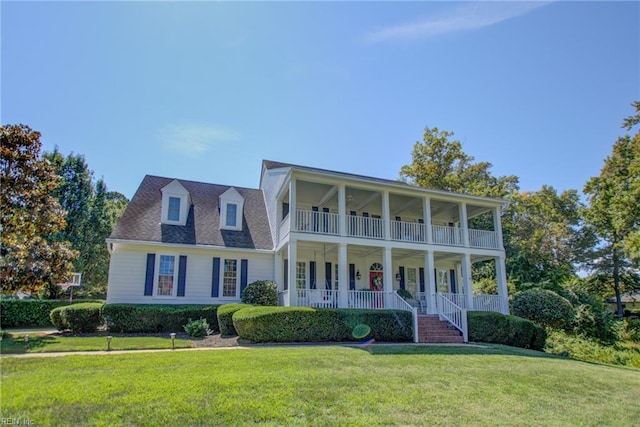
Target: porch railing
317,222
408,231
396,302
362,226
318,298
483,239
366,299
445,235
487,302
310,221
454,314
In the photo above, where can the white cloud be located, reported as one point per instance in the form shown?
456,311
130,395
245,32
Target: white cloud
194,139
469,16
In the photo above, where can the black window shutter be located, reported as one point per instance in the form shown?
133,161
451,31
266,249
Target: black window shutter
421,279
244,266
401,277
327,275
312,274
352,277
215,278
182,275
148,279
286,274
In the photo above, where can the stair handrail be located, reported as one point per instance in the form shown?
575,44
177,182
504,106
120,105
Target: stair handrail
454,314
400,303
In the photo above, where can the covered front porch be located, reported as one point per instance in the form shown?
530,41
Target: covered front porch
341,275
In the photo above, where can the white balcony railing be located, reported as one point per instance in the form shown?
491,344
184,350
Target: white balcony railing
317,222
487,302
445,235
373,228
483,239
362,226
408,231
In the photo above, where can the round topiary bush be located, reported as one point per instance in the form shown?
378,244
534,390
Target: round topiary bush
544,307
261,292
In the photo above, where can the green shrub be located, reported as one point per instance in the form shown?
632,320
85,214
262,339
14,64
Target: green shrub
404,294
261,292
544,307
15,313
498,328
576,347
225,318
79,318
305,324
144,318
197,328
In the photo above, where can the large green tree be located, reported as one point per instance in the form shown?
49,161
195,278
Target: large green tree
30,217
544,236
614,208
91,212
438,161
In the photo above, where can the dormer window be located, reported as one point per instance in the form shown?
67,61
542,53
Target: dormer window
174,209
175,204
232,212
231,208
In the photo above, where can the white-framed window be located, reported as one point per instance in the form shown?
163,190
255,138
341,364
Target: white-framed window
301,275
166,277
173,213
232,215
231,208
175,204
230,279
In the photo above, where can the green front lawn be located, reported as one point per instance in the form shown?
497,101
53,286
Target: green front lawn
15,344
320,385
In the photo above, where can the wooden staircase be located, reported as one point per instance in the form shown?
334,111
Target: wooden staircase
433,330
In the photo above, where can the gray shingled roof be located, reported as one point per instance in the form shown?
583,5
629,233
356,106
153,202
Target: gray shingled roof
141,219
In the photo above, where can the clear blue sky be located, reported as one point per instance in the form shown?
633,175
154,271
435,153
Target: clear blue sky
206,90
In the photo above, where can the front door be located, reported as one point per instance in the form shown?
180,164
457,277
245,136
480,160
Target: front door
375,280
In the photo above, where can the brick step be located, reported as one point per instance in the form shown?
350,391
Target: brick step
433,330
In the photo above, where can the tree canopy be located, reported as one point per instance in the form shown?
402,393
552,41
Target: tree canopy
30,215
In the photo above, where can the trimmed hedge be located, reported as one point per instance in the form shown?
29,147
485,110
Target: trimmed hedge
79,318
225,318
305,324
498,328
145,318
16,313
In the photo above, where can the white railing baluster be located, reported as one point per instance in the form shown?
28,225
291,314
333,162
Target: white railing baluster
454,314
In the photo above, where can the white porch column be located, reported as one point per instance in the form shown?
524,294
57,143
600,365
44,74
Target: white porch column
292,206
467,281
501,279
343,277
342,209
388,275
386,219
293,260
278,274
426,208
497,226
464,224
429,266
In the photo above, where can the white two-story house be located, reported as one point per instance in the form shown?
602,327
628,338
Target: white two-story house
328,239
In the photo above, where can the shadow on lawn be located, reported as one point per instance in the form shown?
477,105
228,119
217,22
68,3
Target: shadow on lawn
16,345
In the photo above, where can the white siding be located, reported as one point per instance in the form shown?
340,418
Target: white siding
128,267
271,183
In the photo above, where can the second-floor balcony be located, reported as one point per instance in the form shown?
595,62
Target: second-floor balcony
328,223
